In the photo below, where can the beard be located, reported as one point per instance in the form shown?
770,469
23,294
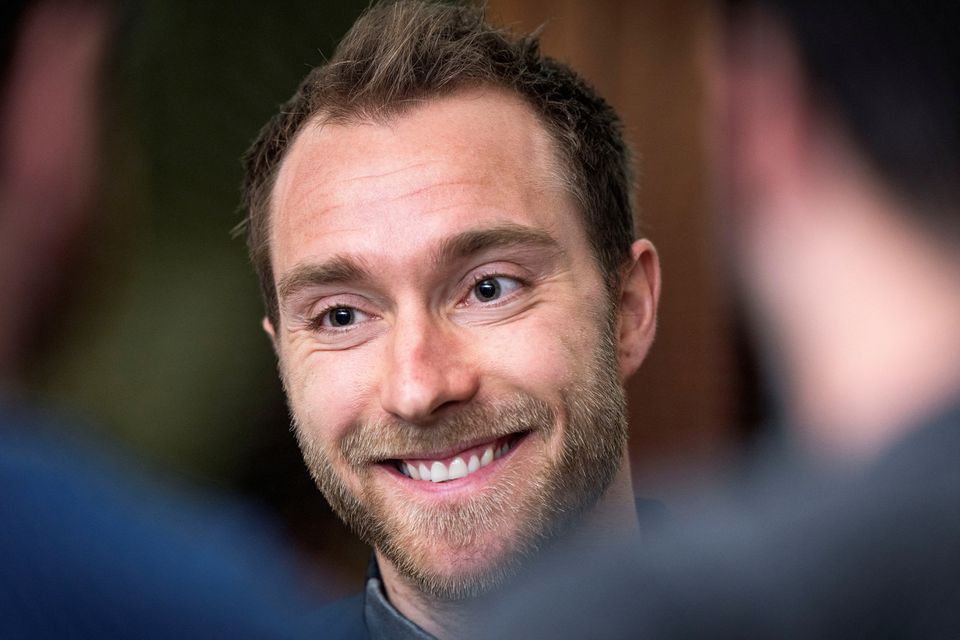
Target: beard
492,533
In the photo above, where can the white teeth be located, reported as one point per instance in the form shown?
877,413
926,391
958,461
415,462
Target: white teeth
438,472
458,469
487,457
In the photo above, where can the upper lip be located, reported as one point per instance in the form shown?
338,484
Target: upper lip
449,451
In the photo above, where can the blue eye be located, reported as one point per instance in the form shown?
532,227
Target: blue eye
494,288
341,317
335,322
488,289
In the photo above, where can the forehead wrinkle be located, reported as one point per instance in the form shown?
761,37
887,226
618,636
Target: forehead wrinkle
337,269
416,191
433,187
308,179
385,174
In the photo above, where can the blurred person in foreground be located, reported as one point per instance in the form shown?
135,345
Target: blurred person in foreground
441,218
836,149
89,546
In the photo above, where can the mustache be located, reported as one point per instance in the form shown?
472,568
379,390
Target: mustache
390,438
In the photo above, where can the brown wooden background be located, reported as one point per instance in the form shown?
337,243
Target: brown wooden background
643,56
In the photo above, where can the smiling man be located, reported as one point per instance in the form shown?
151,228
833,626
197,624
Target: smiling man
441,219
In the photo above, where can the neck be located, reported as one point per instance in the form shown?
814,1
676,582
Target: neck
612,519
866,308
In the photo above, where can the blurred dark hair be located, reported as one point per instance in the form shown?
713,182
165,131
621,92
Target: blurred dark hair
403,51
891,71
11,12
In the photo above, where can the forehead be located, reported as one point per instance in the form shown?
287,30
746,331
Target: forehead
438,167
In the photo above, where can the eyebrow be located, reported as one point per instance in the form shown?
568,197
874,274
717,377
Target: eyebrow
340,268
506,234
347,268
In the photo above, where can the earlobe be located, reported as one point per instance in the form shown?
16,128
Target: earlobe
639,296
270,331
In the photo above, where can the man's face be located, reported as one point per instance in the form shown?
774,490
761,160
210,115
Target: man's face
445,336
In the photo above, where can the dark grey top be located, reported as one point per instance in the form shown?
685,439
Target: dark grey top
382,618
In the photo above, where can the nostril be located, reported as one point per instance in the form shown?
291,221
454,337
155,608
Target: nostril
449,404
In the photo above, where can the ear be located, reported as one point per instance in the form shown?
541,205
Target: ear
639,295
271,332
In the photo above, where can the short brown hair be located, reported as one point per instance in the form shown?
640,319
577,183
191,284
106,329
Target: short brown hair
407,50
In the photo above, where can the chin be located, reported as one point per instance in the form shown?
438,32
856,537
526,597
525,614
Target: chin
467,581
458,572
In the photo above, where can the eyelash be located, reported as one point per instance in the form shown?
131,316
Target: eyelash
480,277
315,323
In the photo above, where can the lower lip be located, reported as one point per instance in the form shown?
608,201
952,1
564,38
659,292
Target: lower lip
479,476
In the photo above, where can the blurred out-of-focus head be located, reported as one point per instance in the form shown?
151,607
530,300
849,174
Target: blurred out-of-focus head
49,135
835,150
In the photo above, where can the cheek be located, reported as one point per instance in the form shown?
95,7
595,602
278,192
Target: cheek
544,355
327,392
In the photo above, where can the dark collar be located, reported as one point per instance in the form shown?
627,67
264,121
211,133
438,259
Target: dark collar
381,617
384,621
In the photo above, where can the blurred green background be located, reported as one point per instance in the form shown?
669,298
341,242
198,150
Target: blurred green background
161,344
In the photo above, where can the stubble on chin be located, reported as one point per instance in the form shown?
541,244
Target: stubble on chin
480,542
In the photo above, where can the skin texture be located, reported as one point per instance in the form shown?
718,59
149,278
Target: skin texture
399,230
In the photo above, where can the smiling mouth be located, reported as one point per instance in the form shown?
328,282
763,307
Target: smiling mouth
459,465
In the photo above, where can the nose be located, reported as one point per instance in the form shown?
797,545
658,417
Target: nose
427,369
